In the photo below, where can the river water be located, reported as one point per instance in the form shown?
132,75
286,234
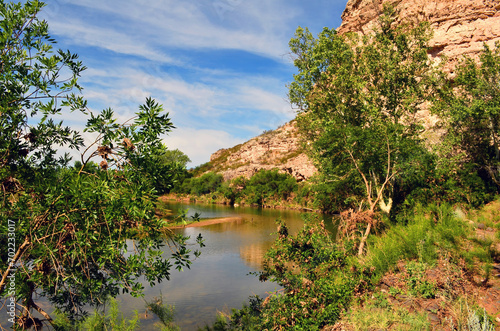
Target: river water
219,279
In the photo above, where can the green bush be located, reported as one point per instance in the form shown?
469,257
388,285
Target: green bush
317,284
233,190
311,269
205,184
269,184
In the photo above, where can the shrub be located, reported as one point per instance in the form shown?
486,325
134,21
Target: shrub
205,184
267,184
233,190
317,286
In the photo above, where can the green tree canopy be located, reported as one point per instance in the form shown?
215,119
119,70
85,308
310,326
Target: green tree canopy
471,110
171,156
72,235
265,184
358,99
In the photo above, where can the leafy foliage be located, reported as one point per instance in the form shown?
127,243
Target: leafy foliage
470,107
311,270
316,284
80,234
266,184
329,196
358,99
263,187
175,156
207,183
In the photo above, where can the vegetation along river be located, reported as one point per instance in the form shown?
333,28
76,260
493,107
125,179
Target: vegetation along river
219,279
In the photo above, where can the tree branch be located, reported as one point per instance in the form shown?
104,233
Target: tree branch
367,184
16,257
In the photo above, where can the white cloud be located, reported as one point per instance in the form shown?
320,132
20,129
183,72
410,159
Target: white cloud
258,98
200,144
208,101
125,89
141,48
146,27
82,33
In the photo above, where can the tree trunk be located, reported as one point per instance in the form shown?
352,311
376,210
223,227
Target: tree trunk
495,143
363,240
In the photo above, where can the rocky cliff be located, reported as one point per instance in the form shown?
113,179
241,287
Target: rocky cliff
280,149
461,27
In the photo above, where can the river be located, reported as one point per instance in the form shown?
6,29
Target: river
219,279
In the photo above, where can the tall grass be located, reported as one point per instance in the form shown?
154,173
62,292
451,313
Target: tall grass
432,231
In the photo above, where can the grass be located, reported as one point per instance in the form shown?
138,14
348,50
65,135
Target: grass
379,315
431,232
429,235
466,318
489,215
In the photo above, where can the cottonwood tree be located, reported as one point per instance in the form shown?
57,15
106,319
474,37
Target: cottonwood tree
68,234
358,98
471,108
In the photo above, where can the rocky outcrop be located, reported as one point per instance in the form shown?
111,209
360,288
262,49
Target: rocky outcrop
280,149
460,27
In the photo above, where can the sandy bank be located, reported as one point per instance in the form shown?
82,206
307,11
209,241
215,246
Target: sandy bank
207,222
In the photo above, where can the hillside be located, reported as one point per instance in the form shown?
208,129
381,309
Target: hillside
460,28
280,148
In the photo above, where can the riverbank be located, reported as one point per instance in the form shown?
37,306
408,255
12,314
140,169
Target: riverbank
215,199
438,270
211,221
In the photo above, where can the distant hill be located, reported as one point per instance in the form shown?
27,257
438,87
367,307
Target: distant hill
280,148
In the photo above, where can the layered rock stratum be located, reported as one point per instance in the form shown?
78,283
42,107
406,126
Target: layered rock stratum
460,28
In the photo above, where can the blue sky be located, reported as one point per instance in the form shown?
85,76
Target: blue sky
219,67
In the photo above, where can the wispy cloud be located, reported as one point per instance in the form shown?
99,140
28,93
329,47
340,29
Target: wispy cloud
135,27
219,67
197,103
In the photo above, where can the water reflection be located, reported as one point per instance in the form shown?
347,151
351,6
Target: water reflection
219,280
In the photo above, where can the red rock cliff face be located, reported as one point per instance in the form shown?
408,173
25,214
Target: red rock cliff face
460,26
